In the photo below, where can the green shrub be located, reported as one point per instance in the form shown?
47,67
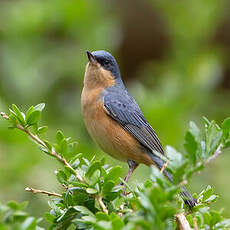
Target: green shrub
93,197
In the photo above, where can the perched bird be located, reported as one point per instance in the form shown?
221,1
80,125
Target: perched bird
114,119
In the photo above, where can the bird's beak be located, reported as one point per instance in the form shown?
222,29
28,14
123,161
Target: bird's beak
91,58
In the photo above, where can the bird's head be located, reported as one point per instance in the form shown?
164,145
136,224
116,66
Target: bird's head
102,68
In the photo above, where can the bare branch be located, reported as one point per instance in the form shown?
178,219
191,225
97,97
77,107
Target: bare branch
164,167
103,207
182,222
51,152
195,224
4,116
35,191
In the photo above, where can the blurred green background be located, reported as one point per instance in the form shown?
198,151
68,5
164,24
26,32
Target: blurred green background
174,58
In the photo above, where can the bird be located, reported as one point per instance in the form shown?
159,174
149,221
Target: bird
115,121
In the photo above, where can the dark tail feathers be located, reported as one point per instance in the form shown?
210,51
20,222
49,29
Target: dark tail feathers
187,197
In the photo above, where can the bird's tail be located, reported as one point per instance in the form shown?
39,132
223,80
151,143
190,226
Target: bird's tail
187,197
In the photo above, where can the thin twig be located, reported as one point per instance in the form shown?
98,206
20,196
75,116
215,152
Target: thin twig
182,222
52,151
35,191
4,116
65,187
103,207
164,166
58,157
215,155
195,223
54,154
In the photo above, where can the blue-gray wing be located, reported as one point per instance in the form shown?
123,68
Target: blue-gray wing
126,112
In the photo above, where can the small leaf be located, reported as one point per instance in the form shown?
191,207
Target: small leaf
63,146
29,111
191,147
213,138
206,121
78,184
33,117
83,210
226,126
174,156
114,174
42,129
29,223
207,193
117,223
61,177
59,136
91,190
223,224
108,186
18,114
89,219
39,107
50,218
102,216
95,166
212,198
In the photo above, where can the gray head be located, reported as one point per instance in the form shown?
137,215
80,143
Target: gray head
106,60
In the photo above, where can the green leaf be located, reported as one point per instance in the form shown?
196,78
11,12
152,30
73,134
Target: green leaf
114,174
59,136
39,107
207,193
19,115
223,224
35,127
192,144
89,219
33,117
102,216
91,191
191,147
117,223
212,198
16,206
61,177
84,210
63,146
29,223
49,217
29,111
174,156
103,225
213,138
206,121
156,174
42,129
226,126
95,166
78,184
108,186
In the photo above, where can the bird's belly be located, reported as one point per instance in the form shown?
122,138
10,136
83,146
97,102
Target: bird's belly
108,133
110,136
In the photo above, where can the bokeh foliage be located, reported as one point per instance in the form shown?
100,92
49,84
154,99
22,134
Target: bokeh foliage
93,197
42,45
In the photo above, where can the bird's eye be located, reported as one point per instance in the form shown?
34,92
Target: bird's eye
106,62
